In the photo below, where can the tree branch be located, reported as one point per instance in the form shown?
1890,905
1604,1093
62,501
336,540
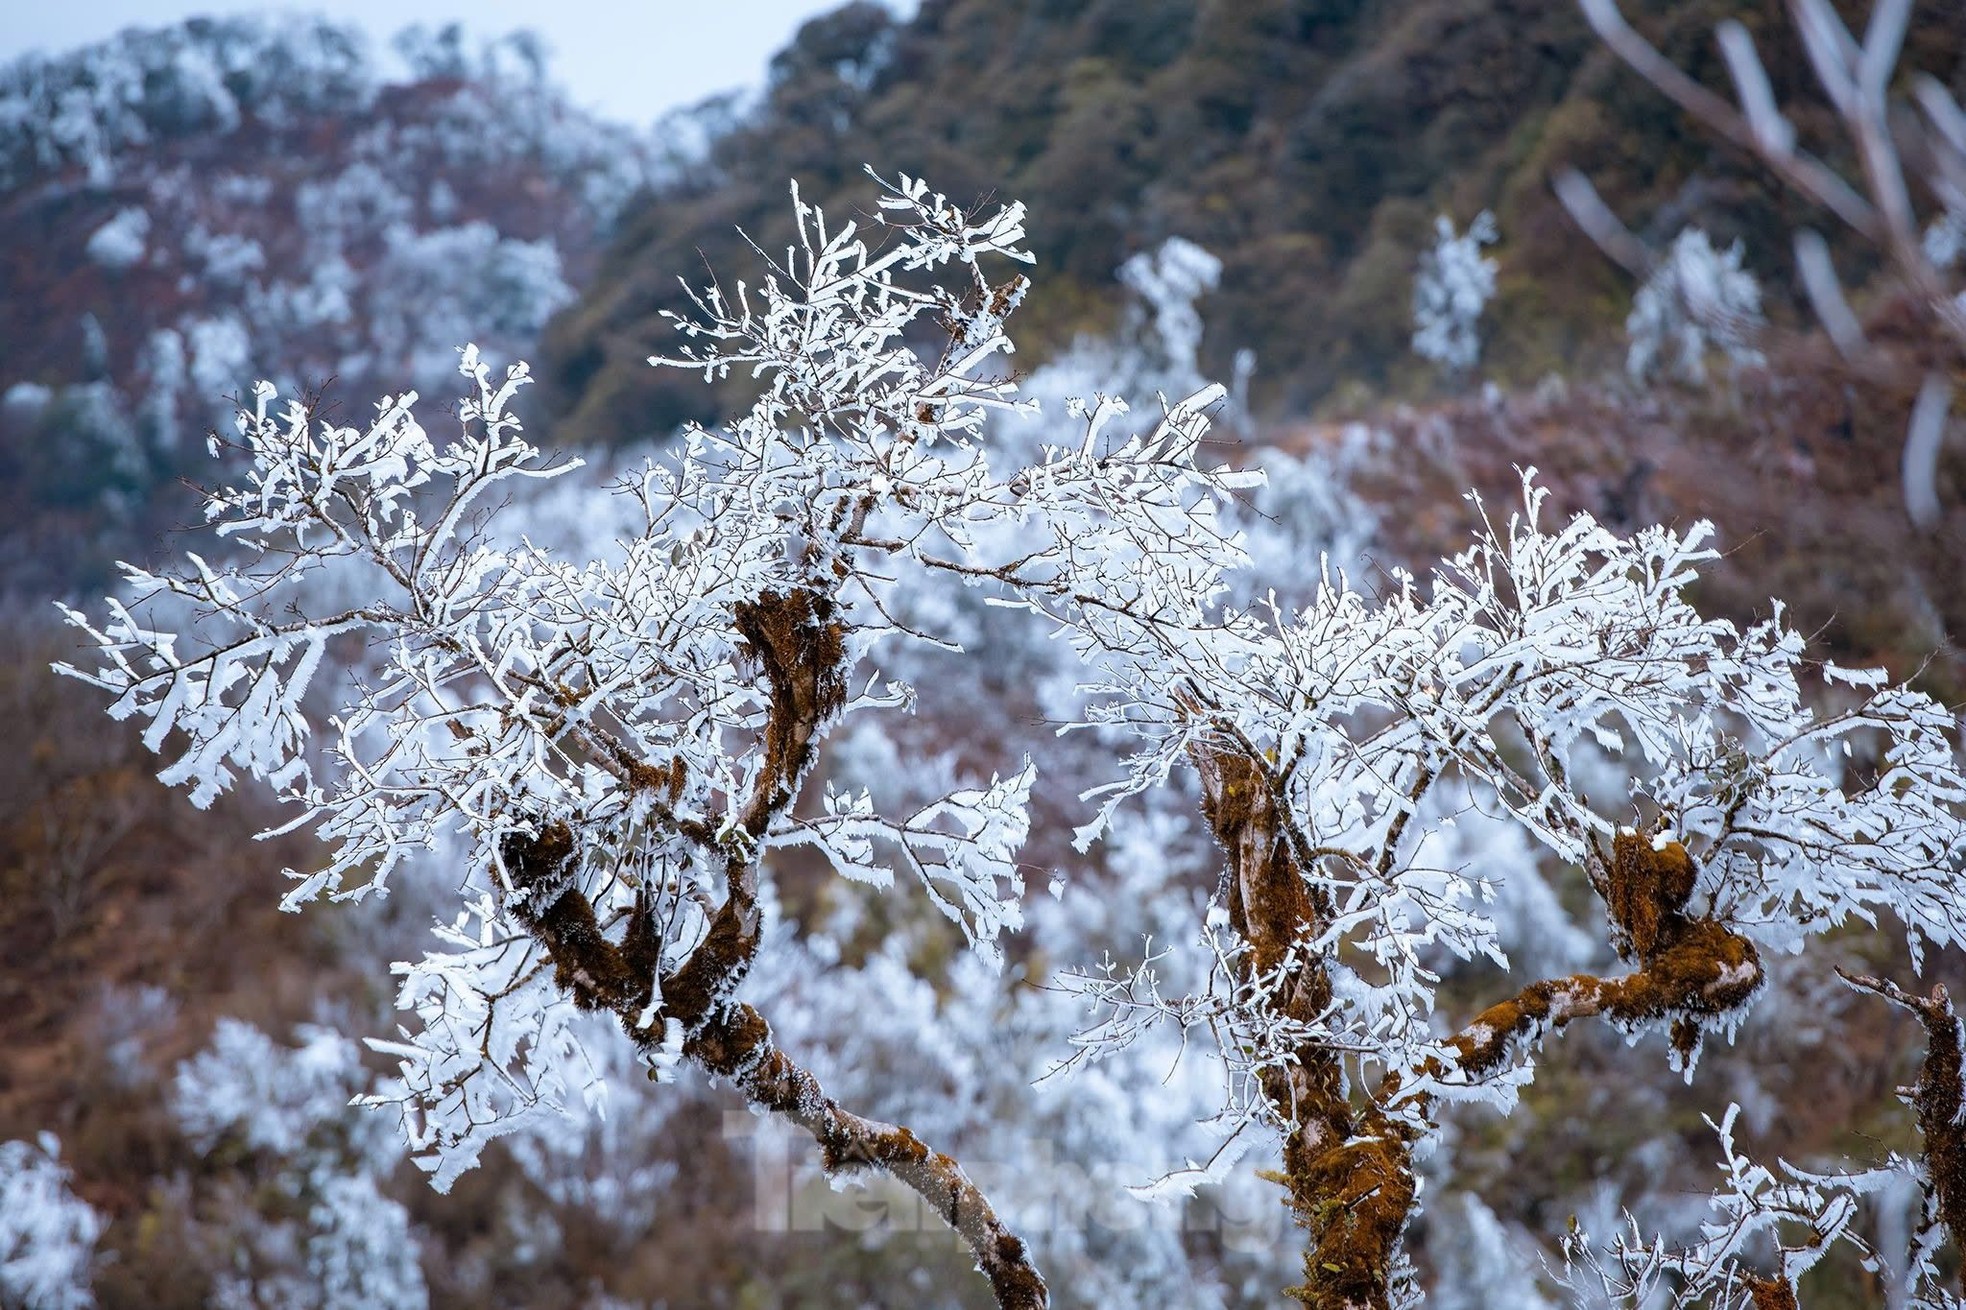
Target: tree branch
732,1040
1348,1176
736,1043
1801,171
1939,1098
801,649
1690,970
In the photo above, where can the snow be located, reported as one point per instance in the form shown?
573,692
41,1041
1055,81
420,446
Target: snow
1454,284
47,1233
345,1243
1697,299
119,243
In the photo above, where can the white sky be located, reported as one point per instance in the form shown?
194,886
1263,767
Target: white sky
629,59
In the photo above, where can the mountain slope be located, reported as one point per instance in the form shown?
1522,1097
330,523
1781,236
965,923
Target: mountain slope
1307,143
188,210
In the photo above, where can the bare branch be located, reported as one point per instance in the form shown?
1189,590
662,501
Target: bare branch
1802,171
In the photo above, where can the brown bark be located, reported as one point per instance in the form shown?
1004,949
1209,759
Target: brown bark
737,1044
800,648
1689,970
732,1040
1771,1293
1348,1177
1939,1098
1349,1170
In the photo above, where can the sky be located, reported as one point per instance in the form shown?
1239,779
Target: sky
631,60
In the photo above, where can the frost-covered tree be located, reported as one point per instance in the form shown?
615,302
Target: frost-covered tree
1454,283
1696,299
1912,216
1561,676
621,742
286,1112
613,751
47,1233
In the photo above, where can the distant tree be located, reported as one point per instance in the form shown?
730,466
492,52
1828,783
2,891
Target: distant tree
1696,298
1454,284
47,1233
614,749
1918,230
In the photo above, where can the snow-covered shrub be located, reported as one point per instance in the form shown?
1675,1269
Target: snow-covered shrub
1169,281
1698,299
1454,283
47,1233
335,1240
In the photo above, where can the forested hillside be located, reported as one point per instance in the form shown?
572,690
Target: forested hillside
186,211
1308,144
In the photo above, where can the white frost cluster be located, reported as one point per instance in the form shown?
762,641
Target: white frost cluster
269,1097
1479,1261
1799,1216
290,1107
47,1233
1696,300
119,243
1169,281
1454,283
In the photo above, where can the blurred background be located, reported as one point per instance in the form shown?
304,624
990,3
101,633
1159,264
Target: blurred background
196,197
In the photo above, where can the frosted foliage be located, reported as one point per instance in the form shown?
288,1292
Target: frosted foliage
616,685
313,253
1305,510
221,354
1760,1222
507,688
47,1233
290,1107
85,110
1454,284
96,109
450,282
1169,281
354,1249
225,258
1696,300
1461,828
610,1161
361,1253
1154,352
119,243
266,1096
1060,1156
1532,654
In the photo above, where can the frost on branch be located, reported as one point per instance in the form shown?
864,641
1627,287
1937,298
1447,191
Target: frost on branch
1765,1228
607,750
1540,666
